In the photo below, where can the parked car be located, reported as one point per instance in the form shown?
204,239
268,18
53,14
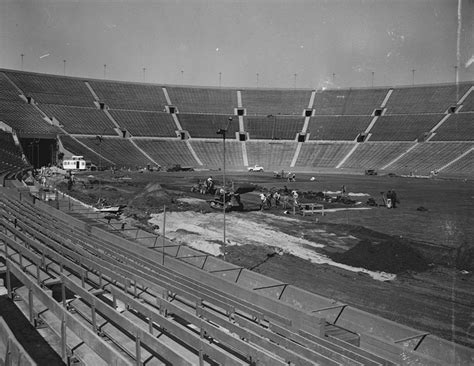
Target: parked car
255,168
370,172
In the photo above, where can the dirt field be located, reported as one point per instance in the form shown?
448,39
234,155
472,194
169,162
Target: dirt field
413,264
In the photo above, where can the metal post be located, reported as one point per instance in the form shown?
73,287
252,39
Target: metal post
182,76
295,75
163,241
22,55
220,76
373,79
223,132
105,68
63,338
413,77
257,79
64,67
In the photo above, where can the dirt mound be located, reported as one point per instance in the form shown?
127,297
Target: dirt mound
153,195
389,256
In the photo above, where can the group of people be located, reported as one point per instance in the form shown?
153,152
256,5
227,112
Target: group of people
285,200
392,199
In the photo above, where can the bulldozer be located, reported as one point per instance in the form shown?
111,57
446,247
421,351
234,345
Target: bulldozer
232,200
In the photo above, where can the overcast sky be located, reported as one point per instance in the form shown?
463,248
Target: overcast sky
333,43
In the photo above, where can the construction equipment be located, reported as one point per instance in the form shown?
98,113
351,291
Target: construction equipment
232,198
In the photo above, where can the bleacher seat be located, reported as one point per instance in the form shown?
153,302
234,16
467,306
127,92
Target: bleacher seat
348,102
25,119
425,99
407,127
273,127
203,100
80,120
145,123
458,127
322,155
375,155
53,89
207,125
337,127
285,102
168,152
211,153
131,96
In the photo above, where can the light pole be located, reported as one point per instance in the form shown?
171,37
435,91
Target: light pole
373,73
100,139
257,79
413,76
64,67
456,80
105,69
182,76
223,131
144,69
220,76
22,55
333,77
295,75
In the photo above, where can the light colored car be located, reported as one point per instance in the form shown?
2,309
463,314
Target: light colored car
255,168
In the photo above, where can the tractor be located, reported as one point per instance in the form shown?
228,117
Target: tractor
232,198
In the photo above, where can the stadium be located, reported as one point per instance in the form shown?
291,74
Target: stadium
230,225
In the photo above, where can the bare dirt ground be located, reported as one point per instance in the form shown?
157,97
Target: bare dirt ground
413,264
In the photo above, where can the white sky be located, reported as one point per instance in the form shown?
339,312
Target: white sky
192,41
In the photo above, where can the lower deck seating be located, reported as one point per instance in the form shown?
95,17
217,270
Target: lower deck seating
322,155
429,156
464,166
10,155
211,152
75,148
271,155
118,150
375,155
168,152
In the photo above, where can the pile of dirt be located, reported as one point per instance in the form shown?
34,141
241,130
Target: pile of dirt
152,196
393,256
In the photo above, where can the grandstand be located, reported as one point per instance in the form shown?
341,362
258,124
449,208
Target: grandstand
380,120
